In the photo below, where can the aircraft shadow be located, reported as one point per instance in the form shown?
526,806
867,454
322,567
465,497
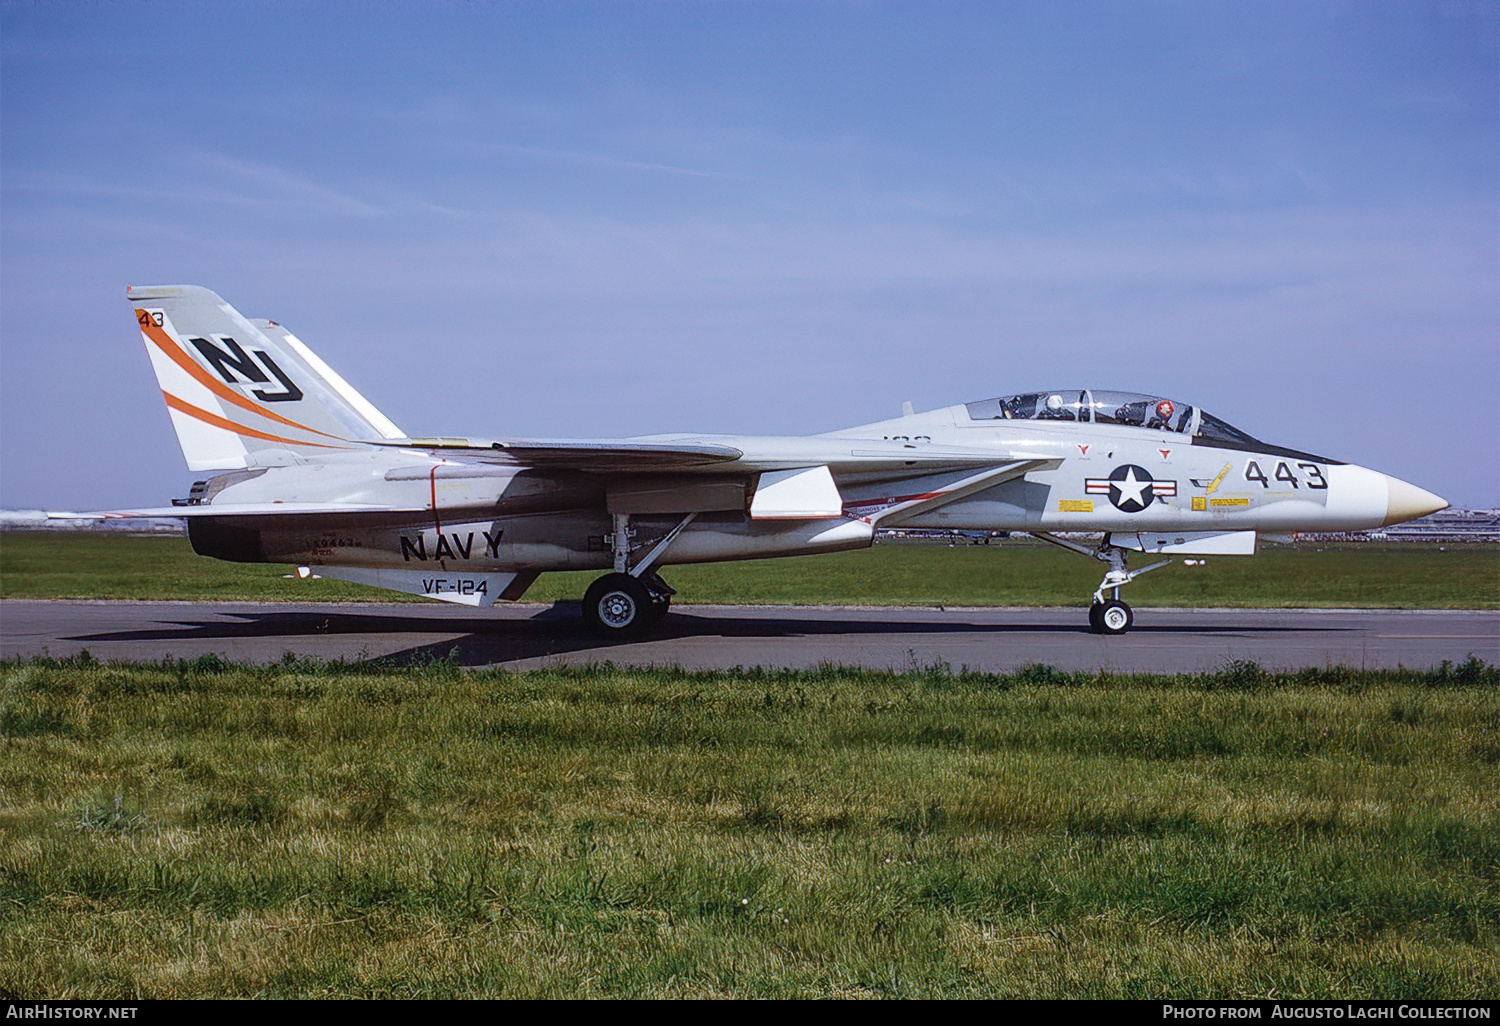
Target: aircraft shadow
560,631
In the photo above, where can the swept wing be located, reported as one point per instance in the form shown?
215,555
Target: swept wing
713,454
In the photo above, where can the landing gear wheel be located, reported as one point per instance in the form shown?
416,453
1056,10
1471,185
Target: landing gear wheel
1094,610
617,606
1114,617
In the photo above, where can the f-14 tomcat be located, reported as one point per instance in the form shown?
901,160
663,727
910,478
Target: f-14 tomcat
309,473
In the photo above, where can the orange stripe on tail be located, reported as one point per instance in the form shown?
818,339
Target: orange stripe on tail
228,425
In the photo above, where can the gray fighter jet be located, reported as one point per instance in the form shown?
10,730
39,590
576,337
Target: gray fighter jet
308,472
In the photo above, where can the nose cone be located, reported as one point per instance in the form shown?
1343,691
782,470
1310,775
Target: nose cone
1407,502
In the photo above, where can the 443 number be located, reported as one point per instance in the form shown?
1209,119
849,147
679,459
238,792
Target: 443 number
1312,475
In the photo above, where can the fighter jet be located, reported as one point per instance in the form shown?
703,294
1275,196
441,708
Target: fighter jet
307,472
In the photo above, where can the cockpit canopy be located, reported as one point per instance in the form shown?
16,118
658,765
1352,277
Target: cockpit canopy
1130,409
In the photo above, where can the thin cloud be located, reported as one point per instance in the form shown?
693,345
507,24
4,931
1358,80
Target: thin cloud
271,187
606,160
287,188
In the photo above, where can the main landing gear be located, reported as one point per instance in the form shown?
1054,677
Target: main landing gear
632,599
1108,614
618,605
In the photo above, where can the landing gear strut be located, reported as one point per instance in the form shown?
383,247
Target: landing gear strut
626,602
1108,614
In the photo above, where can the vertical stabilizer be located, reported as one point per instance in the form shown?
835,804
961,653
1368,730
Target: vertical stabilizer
246,393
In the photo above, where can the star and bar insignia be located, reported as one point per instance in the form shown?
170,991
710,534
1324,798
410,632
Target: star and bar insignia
1130,488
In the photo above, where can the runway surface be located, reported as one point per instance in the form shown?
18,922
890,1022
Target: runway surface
709,637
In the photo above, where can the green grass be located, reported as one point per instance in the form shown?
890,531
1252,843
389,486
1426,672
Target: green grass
90,565
304,830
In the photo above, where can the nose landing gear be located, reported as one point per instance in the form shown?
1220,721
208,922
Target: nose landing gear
1111,617
1108,614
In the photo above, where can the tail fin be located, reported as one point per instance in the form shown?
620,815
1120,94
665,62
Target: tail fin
245,393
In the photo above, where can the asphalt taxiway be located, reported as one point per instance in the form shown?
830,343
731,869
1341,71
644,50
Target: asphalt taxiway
721,637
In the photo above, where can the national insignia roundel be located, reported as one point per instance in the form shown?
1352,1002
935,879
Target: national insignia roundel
1129,487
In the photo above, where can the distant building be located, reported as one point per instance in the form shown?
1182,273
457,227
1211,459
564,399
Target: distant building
36,520
1449,525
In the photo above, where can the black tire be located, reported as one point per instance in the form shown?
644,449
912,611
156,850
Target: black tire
1115,617
617,606
1094,624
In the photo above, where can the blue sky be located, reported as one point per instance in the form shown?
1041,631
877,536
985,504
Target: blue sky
621,218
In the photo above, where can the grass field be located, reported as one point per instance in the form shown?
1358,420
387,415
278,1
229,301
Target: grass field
311,830
94,565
